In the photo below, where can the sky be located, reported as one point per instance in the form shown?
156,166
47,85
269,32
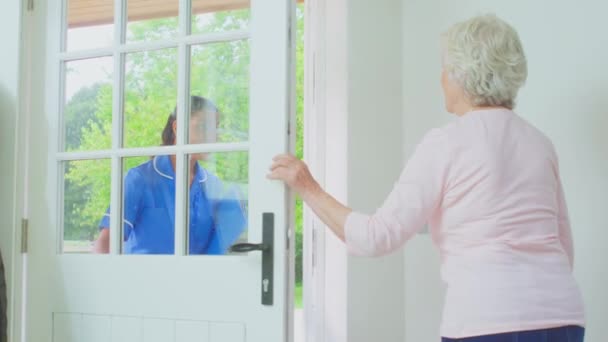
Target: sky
83,73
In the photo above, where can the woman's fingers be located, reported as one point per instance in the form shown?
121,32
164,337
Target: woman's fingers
282,170
278,169
280,163
285,162
289,169
277,174
283,157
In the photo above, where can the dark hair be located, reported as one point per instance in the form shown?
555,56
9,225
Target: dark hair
198,104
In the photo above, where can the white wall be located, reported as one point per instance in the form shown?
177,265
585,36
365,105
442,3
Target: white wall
566,96
360,106
375,286
422,109
9,86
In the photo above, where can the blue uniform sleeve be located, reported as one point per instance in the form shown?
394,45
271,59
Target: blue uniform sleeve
230,220
133,188
105,220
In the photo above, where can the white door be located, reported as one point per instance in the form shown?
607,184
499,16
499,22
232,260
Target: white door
107,76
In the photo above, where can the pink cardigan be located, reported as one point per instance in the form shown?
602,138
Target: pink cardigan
489,187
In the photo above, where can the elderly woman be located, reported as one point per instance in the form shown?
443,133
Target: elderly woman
489,186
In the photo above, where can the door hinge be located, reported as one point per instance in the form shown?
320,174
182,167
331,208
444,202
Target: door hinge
24,234
30,5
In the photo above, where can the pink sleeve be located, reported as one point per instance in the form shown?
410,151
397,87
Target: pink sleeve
414,198
565,233
563,219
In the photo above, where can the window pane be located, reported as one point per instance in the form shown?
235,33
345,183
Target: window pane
88,26
150,20
208,16
218,201
148,200
86,194
220,75
88,104
150,96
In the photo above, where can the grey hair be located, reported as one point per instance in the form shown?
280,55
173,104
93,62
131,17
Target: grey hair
485,57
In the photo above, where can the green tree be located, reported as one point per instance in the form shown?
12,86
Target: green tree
299,224
82,113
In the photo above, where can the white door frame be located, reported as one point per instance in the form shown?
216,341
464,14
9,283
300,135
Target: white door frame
18,272
325,151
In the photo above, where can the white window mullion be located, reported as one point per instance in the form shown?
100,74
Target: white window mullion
180,204
155,151
59,105
61,167
201,39
216,37
116,225
183,104
86,54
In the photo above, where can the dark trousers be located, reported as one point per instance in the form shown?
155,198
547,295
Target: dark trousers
563,334
3,320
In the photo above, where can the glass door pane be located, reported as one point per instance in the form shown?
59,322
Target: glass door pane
220,16
150,96
220,73
86,192
151,20
218,201
89,27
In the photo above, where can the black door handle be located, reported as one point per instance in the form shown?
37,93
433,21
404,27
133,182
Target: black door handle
267,248
248,247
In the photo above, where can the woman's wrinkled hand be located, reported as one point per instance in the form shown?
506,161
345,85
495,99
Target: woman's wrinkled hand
294,173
